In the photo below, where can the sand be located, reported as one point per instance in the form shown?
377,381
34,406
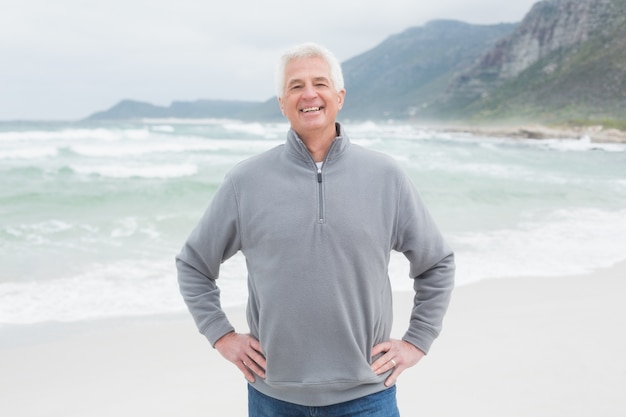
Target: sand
510,347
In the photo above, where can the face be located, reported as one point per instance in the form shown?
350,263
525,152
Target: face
310,101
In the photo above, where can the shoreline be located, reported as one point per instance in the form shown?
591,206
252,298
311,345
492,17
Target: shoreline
510,346
596,134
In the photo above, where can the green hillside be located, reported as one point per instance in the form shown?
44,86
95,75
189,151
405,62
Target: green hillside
410,70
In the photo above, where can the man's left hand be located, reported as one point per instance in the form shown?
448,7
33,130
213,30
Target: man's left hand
398,355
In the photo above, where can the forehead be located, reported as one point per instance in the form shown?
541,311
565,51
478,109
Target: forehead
306,68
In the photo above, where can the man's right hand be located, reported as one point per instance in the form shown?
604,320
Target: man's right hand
245,352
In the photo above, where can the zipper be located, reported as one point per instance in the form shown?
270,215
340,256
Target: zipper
320,210
321,215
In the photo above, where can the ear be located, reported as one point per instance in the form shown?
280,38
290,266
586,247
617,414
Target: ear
282,105
341,96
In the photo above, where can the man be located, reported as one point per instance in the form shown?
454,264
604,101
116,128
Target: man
316,220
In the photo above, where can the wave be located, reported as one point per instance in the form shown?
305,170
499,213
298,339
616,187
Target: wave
75,134
29,153
261,130
37,230
146,171
119,289
177,145
113,150
59,210
163,128
563,242
560,243
125,288
66,235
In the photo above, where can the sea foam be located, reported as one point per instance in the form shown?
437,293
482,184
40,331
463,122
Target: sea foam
103,210
123,288
147,171
563,242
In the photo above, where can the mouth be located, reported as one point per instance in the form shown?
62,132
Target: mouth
311,109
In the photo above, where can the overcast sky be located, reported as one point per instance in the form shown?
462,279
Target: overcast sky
65,59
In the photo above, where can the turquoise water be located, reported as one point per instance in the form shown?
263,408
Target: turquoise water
92,215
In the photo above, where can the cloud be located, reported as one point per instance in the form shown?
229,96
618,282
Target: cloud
69,58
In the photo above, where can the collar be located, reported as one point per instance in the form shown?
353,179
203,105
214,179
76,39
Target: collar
296,147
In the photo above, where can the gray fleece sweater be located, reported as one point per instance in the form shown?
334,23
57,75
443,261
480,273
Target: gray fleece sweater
317,244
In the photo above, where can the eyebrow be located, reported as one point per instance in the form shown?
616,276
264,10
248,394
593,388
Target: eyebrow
298,80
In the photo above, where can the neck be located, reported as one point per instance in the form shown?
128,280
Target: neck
318,143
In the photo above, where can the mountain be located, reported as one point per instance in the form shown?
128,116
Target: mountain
408,71
131,109
566,61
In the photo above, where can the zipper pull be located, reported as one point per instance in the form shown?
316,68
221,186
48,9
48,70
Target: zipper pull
319,175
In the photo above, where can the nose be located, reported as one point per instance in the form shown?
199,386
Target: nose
309,91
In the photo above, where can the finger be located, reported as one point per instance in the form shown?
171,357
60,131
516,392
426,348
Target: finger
391,379
256,357
243,367
255,367
256,345
255,352
383,363
380,348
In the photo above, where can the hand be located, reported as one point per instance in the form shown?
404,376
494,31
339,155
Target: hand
245,352
398,355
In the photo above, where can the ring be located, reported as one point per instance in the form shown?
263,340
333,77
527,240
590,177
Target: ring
394,363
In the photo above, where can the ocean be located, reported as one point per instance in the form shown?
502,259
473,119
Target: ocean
92,215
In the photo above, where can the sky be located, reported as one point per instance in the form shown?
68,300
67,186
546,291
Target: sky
66,59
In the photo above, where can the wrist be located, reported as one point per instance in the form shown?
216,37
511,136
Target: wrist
223,339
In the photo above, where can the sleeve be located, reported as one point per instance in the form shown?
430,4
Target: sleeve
432,267
215,239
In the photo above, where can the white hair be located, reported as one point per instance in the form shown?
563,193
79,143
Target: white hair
308,50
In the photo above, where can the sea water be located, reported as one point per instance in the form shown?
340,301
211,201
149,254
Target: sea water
92,215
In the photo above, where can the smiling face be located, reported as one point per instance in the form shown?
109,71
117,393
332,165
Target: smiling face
310,101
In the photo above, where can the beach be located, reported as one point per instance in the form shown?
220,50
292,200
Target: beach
535,346
92,322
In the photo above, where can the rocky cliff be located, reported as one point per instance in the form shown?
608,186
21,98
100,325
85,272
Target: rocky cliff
548,27
566,57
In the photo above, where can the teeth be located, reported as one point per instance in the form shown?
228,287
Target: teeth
310,109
